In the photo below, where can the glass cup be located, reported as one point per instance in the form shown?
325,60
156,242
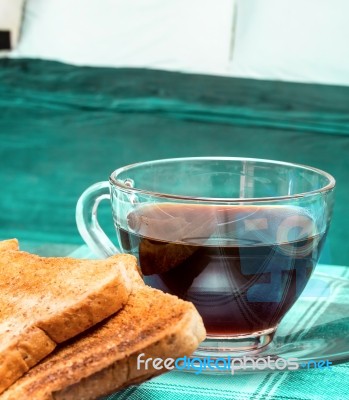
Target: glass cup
237,237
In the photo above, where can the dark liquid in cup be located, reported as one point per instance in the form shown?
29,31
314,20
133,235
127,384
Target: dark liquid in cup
243,267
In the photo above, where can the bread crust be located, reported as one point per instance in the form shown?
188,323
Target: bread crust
45,301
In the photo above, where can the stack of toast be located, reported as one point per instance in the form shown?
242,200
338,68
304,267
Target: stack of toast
73,329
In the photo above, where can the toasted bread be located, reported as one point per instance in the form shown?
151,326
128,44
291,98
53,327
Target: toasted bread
10,244
45,301
104,359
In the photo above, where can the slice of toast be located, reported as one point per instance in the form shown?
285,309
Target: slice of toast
10,244
45,301
104,359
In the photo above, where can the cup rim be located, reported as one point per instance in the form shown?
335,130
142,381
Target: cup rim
124,187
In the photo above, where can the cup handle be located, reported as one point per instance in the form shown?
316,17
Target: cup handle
87,221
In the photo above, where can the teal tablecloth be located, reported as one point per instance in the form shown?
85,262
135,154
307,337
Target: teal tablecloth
309,385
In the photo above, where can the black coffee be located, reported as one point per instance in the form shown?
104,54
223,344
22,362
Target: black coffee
242,266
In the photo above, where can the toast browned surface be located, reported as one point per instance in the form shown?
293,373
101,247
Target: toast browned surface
45,301
105,359
10,244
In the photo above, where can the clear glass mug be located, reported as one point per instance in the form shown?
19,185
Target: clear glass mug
238,237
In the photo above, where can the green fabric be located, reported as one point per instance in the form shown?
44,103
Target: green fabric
321,320
63,128
302,385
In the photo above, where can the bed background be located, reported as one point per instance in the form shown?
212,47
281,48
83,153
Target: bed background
64,126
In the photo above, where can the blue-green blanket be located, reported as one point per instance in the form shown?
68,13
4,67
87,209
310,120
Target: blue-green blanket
63,128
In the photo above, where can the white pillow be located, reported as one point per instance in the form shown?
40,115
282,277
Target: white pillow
297,40
10,19
192,35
